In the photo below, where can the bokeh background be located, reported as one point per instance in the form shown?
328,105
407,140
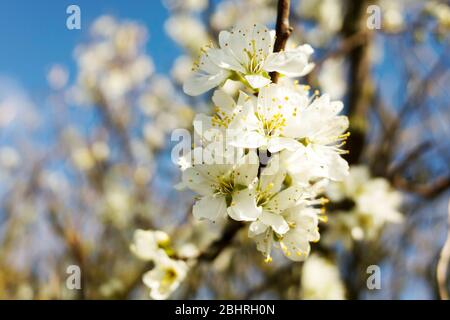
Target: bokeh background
85,123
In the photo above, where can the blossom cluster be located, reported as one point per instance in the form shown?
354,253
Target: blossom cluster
264,156
364,205
113,64
168,272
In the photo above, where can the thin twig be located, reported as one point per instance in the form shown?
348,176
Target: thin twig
410,157
283,31
429,191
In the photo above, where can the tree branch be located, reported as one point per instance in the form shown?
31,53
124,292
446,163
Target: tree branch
283,31
425,190
410,157
217,246
359,76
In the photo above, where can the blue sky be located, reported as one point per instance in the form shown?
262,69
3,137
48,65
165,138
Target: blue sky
34,35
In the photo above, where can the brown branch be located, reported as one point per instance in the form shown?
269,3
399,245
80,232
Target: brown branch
415,153
73,243
442,266
217,246
283,274
283,31
345,46
359,76
415,99
429,191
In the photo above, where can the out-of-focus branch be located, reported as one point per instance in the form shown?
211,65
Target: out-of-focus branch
358,99
345,46
282,274
415,99
217,246
115,126
442,266
283,31
431,190
73,244
410,157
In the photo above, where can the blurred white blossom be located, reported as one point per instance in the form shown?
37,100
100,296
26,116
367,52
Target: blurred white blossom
367,205
187,31
189,5
113,63
332,78
165,277
328,14
57,77
321,280
229,13
167,273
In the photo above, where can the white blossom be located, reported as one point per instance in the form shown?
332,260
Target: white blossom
289,217
283,118
149,245
165,277
229,13
113,63
321,279
332,78
168,272
220,185
368,205
246,54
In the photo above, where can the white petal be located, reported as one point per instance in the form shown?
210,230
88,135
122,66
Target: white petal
223,100
247,169
256,228
243,206
223,60
275,221
285,199
152,278
210,208
144,244
249,140
295,246
224,37
277,144
264,242
257,81
292,63
194,179
200,83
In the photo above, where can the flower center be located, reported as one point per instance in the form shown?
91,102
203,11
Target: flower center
170,275
263,196
225,185
272,126
220,118
255,58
